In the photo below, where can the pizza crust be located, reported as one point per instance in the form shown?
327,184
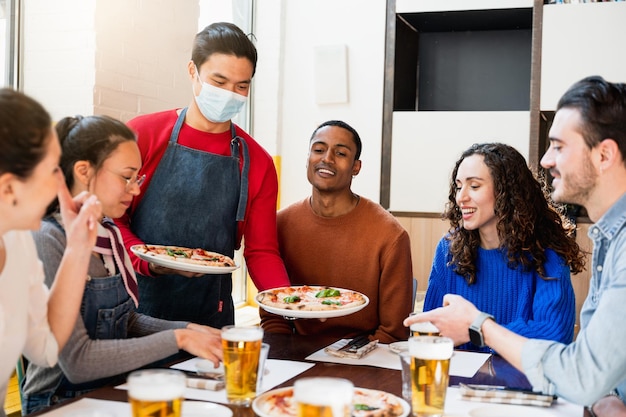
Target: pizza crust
307,301
281,404
191,256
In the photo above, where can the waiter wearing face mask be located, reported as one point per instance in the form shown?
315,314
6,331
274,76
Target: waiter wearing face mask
208,184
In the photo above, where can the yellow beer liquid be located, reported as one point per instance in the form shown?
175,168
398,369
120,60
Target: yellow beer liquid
430,381
241,363
170,408
420,333
312,410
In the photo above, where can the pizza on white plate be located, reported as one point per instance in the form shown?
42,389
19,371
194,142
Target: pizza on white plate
366,403
310,298
186,255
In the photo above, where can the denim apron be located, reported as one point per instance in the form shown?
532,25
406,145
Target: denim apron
105,310
195,200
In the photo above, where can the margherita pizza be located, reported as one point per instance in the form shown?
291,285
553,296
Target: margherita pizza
186,255
310,298
366,403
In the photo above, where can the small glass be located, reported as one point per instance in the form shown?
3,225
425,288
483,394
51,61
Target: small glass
265,350
405,362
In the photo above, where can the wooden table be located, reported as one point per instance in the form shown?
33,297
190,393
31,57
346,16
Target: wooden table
496,371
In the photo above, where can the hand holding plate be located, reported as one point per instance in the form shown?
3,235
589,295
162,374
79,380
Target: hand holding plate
163,270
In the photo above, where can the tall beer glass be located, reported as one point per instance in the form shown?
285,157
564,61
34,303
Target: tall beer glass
242,348
429,373
323,397
156,392
425,328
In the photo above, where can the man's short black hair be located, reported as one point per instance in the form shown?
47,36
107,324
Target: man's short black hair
343,125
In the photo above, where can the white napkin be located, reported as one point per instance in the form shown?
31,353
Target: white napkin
464,364
277,372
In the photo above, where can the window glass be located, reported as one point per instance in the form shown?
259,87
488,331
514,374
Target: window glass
9,18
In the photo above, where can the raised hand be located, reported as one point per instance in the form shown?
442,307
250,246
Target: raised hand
80,215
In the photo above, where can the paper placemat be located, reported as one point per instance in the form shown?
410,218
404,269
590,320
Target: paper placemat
278,371
87,407
463,364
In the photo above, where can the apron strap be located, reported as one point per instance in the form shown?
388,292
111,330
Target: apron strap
178,125
234,149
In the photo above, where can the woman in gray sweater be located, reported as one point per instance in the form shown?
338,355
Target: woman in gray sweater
110,338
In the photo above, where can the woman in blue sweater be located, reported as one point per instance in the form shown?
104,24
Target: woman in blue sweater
509,251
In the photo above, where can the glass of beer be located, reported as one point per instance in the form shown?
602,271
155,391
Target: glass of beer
323,397
424,329
242,349
156,392
429,374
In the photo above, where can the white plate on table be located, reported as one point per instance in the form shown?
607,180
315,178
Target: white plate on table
181,266
261,408
506,410
203,409
399,347
307,314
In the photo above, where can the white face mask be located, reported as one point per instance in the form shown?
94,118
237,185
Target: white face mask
218,105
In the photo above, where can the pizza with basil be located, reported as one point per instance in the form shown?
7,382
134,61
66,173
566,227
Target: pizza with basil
185,255
366,403
310,298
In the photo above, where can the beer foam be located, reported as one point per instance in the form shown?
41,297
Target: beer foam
165,392
242,334
333,392
431,347
150,386
424,327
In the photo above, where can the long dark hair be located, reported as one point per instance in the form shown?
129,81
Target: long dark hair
528,222
24,128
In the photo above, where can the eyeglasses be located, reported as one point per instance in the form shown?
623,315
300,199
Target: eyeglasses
137,180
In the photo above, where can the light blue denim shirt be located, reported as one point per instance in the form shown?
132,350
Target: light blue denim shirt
595,364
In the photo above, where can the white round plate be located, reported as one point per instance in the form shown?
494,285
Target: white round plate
258,405
181,266
509,410
399,347
325,314
203,409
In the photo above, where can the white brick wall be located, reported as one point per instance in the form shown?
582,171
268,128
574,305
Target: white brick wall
115,57
142,51
59,44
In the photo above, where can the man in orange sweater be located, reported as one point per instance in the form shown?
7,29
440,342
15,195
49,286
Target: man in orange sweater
339,239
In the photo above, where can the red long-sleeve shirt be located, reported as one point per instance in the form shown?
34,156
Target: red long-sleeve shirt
259,226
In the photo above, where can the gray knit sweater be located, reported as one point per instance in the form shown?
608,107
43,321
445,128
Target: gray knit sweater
84,359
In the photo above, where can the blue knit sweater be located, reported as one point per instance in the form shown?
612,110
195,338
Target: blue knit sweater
521,301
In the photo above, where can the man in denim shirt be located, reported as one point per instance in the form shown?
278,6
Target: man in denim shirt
587,158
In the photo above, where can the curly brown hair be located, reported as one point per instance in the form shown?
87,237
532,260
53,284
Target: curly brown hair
528,221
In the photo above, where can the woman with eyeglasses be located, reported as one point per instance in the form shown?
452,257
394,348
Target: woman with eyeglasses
100,155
